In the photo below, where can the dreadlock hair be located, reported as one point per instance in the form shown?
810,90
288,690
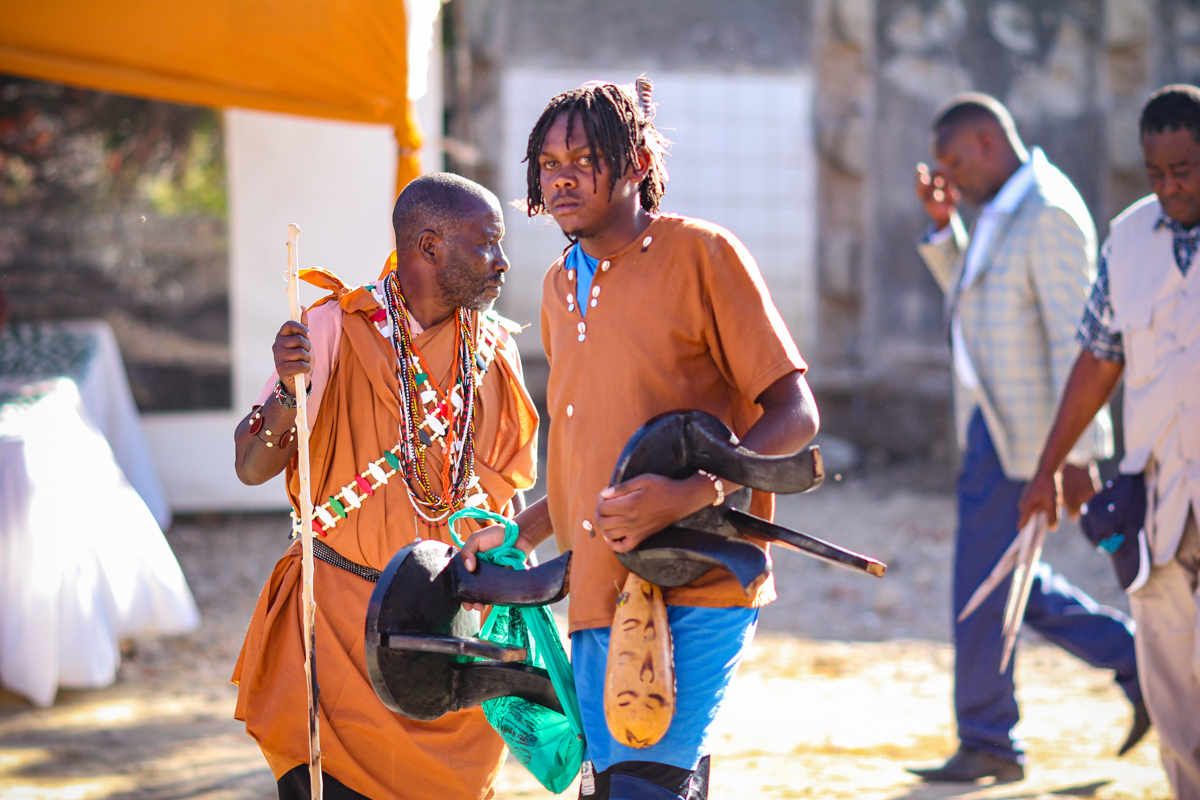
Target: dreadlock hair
616,126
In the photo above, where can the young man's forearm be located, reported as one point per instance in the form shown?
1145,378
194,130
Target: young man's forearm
533,524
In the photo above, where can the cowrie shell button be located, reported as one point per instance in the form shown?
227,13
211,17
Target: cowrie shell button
646,242
587,525
570,274
604,265
570,411
582,327
595,291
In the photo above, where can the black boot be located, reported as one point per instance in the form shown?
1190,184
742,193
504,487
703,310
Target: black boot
1137,729
968,766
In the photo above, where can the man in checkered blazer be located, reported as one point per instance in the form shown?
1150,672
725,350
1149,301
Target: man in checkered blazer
1015,287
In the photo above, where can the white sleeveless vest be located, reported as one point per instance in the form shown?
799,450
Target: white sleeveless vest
1157,311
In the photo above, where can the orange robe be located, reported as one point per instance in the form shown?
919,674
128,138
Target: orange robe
364,745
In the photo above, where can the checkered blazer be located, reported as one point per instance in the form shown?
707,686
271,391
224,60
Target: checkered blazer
1019,316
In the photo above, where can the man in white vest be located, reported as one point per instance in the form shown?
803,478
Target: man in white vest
1142,322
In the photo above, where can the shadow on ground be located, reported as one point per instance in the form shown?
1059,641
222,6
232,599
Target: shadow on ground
947,791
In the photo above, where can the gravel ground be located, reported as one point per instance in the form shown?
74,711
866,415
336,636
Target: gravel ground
847,683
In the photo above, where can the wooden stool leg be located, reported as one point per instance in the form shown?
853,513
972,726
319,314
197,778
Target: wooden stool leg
639,682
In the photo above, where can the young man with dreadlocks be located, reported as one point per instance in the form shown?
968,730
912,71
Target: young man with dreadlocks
646,313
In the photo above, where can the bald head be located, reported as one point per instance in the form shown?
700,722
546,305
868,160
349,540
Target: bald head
439,202
976,145
448,253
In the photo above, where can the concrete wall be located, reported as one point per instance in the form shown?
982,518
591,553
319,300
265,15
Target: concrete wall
748,167
1073,72
1040,58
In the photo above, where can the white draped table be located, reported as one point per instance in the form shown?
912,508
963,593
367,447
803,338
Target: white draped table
83,559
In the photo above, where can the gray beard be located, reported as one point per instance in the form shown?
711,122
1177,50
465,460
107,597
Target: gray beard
458,290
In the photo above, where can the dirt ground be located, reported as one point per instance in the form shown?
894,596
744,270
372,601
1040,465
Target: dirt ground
847,683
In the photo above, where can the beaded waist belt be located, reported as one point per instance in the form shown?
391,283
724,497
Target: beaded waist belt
332,557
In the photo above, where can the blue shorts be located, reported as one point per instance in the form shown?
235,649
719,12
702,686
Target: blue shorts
708,643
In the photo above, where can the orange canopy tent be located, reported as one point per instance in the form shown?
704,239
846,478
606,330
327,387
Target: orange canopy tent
343,59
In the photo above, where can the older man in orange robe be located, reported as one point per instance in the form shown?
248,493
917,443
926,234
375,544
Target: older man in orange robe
414,380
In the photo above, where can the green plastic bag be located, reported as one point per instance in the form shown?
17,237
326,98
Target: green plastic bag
549,744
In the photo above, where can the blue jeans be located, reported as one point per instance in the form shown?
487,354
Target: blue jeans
708,645
984,703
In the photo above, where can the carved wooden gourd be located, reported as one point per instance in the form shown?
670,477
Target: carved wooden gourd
639,682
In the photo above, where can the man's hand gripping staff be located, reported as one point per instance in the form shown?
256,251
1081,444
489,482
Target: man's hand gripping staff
300,389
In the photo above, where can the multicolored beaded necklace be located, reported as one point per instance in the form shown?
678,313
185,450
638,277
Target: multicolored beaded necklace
450,422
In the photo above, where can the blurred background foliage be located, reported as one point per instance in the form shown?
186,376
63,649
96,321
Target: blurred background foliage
64,146
116,207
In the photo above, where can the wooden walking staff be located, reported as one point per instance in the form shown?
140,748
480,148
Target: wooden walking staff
306,530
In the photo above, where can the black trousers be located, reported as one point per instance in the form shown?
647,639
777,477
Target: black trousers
649,780
686,784
295,785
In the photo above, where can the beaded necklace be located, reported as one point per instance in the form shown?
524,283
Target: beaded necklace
451,421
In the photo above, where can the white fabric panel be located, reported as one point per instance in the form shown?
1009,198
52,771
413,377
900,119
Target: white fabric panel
104,390
337,181
425,77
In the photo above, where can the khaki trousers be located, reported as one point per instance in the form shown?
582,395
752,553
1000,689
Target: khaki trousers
1168,652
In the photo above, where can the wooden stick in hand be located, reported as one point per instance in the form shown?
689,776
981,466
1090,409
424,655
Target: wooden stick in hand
306,531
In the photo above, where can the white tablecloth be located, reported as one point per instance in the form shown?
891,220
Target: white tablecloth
83,561
104,389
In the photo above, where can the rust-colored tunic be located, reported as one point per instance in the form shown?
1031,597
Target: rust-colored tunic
365,746
682,320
